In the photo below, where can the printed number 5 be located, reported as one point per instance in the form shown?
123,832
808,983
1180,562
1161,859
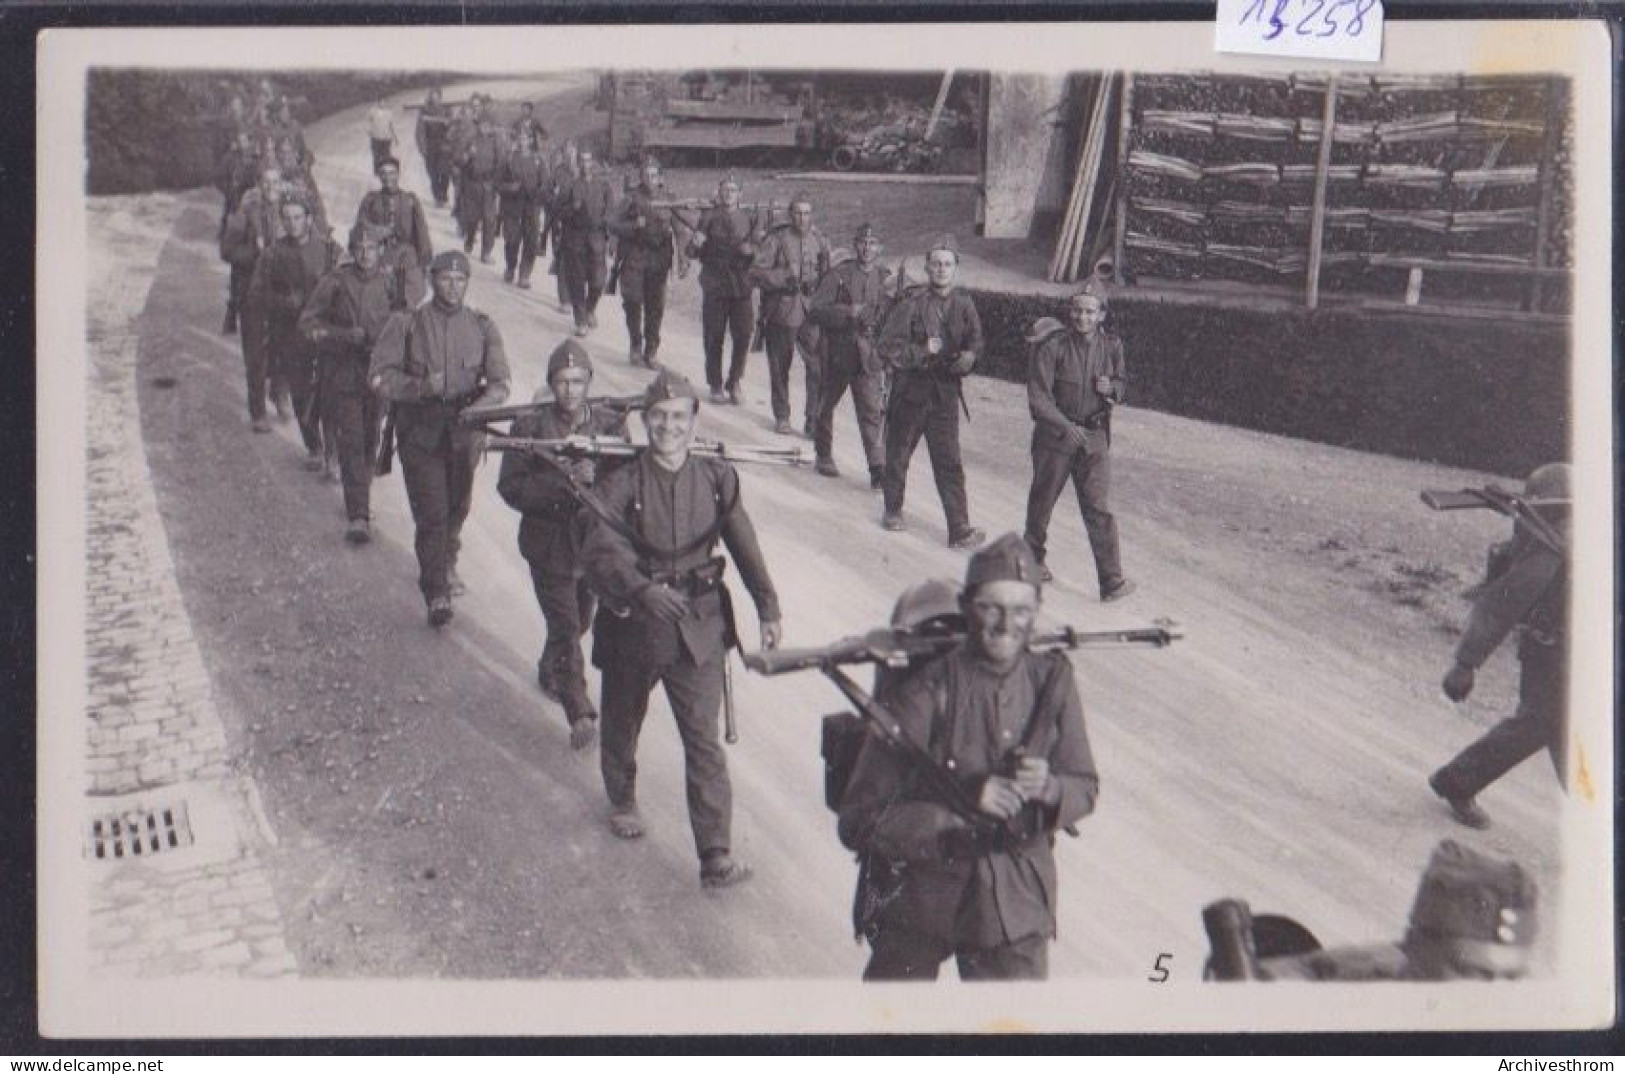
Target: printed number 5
1159,968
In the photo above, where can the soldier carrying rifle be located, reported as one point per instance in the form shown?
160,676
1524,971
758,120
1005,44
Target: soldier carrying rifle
849,305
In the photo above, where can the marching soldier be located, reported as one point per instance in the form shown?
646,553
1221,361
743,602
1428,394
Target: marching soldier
1526,588
667,617
527,127
1074,380
460,134
787,269
725,240
931,340
545,492
476,189
402,213
848,306
238,174
297,182
286,276
583,205
261,225
430,366
432,127
523,184
647,247
1009,725
343,318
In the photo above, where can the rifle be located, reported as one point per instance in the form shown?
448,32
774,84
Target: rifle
584,447
1499,500
486,415
894,648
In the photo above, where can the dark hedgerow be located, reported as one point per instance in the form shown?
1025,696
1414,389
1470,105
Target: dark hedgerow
1485,396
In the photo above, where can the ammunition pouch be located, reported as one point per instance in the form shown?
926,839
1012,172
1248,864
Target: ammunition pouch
698,582
968,844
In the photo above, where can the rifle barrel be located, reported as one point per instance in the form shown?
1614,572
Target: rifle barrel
1443,500
897,648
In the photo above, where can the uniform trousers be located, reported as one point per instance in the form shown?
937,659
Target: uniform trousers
439,487
293,367
521,237
643,300
583,270
903,955
695,694
782,347
242,274
478,215
919,408
1090,473
351,417
567,604
435,162
252,327
1540,722
840,373
381,151
721,315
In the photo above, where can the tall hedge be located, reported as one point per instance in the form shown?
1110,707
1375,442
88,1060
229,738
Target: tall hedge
1481,395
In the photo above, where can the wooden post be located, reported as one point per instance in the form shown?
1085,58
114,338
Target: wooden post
1317,218
1124,122
942,99
1543,216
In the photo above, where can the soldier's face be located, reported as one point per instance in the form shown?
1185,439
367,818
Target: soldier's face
570,388
367,254
670,425
729,193
868,251
1086,313
584,159
651,175
389,178
450,286
801,216
295,221
1001,616
940,266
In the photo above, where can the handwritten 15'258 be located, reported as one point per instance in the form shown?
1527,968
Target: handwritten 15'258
1326,29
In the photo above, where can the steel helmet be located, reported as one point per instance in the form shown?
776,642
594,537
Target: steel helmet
1548,486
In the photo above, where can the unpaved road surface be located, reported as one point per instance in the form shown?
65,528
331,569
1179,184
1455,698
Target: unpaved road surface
433,820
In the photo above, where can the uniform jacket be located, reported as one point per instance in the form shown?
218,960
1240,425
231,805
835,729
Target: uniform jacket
481,158
848,305
300,185
727,253
404,213
919,315
287,274
353,307
524,181
250,229
583,206
668,511
433,361
1061,387
1532,592
459,136
535,487
787,269
651,247
971,718
431,129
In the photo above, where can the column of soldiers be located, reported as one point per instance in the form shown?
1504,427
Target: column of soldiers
628,551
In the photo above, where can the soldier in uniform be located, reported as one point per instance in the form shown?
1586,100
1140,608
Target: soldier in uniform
402,213
286,276
460,134
297,182
583,204
523,183
237,175
430,135
848,306
1075,378
431,365
1009,725
725,240
647,238
527,127
930,341
1526,588
476,189
667,618
545,492
787,270
260,215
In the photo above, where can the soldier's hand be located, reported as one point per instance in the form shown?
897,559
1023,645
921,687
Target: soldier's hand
963,364
1103,385
682,271
772,633
1458,683
1035,783
664,603
698,239
1000,798
933,345
1075,437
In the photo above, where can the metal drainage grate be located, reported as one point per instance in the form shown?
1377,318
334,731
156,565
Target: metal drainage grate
139,832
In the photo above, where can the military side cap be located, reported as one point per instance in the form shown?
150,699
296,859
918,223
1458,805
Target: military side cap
568,355
1008,559
1042,329
367,231
944,241
1095,288
1465,895
449,261
865,231
386,162
669,385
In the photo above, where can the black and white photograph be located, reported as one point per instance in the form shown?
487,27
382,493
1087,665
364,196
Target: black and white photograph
824,528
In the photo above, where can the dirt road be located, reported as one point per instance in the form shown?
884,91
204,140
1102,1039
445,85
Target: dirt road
434,822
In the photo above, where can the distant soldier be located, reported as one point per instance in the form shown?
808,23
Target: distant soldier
282,127
297,182
434,119
1009,725
381,133
237,174
930,341
431,365
527,127
523,184
788,266
848,305
667,617
545,492
583,205
1526,588
726,240
287,275
1075,378
401,212
460,134
343,318
260,219
648,244
477,190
